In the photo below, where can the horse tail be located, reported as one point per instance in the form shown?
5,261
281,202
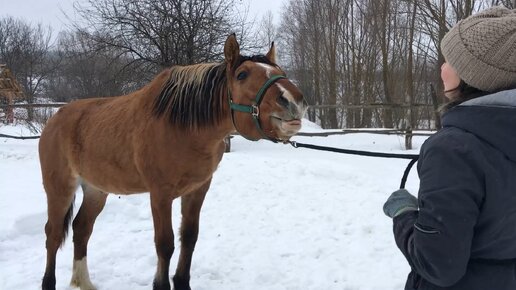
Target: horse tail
67,221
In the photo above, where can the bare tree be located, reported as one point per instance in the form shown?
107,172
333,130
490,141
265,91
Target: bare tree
160,33
511,4
26,49
267,31
85,72
313,39
362,63
372,62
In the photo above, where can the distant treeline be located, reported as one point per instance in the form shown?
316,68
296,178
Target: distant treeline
347,54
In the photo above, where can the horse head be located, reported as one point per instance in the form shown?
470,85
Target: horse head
264,102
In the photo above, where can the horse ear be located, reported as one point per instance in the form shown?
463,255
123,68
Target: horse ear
271,55
231,50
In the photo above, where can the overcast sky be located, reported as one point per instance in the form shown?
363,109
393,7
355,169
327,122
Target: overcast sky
50,12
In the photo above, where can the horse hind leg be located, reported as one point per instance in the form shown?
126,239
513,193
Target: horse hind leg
190,210
92,204
60,192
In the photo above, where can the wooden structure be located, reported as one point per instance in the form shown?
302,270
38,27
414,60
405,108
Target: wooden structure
10,92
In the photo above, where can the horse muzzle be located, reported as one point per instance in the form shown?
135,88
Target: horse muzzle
289,122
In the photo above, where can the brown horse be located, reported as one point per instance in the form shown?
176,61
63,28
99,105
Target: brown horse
166,139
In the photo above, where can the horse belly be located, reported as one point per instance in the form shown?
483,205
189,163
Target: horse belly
114,172
115,181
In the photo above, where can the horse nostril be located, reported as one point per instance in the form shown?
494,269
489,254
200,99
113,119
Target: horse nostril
282,101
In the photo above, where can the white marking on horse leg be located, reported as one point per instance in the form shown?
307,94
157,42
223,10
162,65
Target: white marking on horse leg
81,276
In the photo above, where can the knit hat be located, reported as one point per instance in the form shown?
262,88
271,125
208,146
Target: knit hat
482,49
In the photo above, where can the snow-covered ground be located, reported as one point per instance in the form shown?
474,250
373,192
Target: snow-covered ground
275,218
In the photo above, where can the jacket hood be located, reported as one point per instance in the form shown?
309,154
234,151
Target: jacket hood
491,118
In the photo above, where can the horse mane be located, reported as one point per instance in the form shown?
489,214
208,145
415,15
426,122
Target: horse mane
191,96
254,58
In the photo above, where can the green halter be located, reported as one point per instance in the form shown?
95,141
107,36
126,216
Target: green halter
254,109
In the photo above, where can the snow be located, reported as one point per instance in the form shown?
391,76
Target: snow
275,218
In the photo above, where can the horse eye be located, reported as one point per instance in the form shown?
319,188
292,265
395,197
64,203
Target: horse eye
242,76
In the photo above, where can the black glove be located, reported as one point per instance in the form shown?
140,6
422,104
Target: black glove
400,201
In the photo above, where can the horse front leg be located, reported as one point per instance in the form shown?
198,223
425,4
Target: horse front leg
190,210
161,205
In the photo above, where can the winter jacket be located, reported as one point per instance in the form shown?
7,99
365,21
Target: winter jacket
464,234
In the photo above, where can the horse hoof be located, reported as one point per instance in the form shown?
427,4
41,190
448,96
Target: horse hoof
160,285
80,275
49,283
82,286
181,284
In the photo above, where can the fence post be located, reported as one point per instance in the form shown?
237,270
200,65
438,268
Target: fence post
408,138
227,142
9,114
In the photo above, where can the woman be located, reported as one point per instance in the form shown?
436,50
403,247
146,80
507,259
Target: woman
460,233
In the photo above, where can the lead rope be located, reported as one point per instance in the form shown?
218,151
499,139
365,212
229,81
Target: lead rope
413,157
407,171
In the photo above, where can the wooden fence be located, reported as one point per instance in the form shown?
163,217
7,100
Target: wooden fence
420,116
407,133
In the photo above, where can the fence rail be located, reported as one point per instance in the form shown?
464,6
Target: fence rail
56,105
370,131
370,106
407,133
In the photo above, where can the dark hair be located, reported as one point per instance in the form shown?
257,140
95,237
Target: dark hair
463,92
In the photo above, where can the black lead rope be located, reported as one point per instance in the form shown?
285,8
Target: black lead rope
407,171
413,157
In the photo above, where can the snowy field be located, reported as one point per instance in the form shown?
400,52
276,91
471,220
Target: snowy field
275,218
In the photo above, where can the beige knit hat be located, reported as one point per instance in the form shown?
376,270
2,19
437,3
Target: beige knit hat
482,49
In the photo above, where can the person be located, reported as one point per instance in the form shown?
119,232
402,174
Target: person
460,233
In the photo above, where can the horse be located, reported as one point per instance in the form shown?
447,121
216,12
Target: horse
166,138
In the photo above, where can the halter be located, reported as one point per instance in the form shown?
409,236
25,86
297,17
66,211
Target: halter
254,108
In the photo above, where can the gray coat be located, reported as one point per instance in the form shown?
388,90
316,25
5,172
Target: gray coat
464,234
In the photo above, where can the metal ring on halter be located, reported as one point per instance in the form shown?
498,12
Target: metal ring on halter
256,111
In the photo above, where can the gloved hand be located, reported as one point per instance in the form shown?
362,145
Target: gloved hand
400,201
